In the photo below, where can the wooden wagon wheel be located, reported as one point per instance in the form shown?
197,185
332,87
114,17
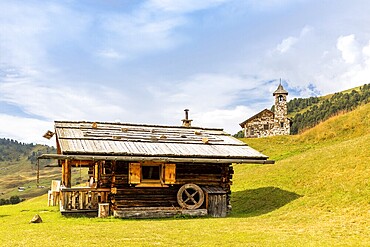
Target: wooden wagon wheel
190,196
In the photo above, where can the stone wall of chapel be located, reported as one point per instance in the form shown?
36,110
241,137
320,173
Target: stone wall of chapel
279,129
281,108
266,125
260,126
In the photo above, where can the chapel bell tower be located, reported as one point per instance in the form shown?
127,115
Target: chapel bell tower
281,109
281,120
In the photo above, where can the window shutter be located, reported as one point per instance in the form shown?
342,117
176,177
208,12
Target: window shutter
134,175
169,173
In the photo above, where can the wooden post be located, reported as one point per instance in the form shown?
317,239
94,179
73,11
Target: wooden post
82,200
64,172
69,174
73,197
113,182
38,173
101,167
96,172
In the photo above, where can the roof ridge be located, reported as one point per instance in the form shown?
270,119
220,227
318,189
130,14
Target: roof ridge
137,125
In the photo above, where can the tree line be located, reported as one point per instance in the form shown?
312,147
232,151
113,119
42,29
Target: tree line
11,200
319,110
12,150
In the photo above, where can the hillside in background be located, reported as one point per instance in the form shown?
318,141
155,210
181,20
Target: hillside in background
307,113
18,169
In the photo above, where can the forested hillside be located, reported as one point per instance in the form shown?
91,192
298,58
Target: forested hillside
306,113
18,167
12,150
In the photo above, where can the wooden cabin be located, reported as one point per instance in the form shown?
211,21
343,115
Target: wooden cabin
141,171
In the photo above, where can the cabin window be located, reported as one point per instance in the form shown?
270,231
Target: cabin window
265,126
251,131
151,173
282,124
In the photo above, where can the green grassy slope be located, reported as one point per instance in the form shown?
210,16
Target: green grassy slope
317,194
20,169
324,173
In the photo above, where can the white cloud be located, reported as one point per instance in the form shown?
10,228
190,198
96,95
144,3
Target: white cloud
61,102
349,70
357,58
110,53
132,35
209,91
289,42
349,48
26,130
285,45
271,4
210,97
183,6
29,30
337,64
228,119
19,42
366,52
149,28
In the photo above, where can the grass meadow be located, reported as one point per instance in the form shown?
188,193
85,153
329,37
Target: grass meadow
317,194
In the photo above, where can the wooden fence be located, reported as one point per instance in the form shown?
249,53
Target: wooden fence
82,198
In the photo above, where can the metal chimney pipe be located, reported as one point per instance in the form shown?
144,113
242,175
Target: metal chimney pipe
186,122
186,114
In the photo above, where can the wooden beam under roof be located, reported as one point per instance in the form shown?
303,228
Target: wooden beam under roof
158,159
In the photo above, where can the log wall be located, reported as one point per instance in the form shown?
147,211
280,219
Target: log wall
115,176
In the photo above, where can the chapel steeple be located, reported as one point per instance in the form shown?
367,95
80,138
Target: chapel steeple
281,110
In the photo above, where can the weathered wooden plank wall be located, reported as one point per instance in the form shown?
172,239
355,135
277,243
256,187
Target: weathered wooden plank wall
126,195
217,205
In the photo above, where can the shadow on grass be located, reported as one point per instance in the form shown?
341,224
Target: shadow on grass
4,215
255,202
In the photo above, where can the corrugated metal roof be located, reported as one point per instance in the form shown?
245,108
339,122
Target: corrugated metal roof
102,138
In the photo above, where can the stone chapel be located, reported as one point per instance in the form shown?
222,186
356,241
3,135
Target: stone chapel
268,123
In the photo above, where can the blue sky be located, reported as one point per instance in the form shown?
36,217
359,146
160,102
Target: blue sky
146,61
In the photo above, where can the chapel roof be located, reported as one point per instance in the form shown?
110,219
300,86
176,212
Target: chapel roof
280,90
255,116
